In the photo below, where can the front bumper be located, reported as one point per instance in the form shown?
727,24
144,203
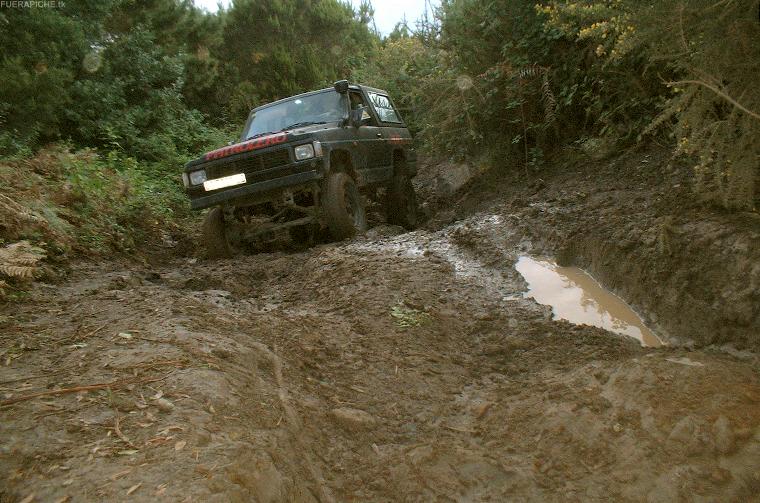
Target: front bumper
198,202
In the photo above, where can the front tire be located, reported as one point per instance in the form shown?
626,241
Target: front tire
215,236
343,207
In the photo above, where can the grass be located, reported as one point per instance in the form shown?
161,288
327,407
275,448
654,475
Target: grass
406,317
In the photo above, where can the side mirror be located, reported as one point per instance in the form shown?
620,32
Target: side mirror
359,117
341,86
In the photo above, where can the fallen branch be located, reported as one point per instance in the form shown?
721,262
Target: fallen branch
158,363
93,332
90,387
119,433
36,376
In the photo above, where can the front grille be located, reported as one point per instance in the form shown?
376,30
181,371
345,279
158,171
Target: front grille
274,159
250,164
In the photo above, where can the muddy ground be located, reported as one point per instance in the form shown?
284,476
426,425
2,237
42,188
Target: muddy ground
396,367
633,221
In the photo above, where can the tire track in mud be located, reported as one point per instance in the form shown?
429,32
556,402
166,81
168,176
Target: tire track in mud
482,249
481,398
294,423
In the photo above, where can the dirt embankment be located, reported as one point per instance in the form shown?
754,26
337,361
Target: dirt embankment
397,367
692,270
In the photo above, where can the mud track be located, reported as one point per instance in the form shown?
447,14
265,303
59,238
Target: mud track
397,367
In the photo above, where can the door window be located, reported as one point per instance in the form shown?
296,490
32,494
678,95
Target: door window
383,107
357,101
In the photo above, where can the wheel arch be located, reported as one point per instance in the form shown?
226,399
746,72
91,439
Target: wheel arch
341,162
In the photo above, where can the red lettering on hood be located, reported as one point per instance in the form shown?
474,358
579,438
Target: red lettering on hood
247,146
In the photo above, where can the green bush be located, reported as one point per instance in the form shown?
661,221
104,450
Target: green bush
154,81
85,202
705,52
512,79
120,203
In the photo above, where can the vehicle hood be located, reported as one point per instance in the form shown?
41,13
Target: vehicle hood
244,146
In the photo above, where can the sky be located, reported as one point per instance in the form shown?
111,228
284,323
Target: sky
390,12
387,12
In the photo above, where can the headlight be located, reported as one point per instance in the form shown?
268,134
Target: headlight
185,180
197,177
317,149
304,152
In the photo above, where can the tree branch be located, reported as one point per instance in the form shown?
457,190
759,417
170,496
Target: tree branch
75,389
719,93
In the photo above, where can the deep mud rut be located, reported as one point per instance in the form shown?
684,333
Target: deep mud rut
397,367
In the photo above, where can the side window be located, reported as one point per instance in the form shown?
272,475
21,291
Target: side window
357,100
383,107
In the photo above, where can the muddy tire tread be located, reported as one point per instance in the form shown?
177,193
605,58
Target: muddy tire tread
338,220
214,238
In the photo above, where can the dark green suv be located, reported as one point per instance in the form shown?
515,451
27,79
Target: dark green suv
304,165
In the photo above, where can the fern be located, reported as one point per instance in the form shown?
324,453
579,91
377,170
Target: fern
670,111
18,271
19,260
550,102
547,95
11,209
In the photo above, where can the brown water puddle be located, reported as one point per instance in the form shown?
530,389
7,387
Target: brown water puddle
577,297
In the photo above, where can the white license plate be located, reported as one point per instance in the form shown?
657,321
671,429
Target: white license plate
226,181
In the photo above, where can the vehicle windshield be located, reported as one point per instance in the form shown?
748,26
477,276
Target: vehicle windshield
317,108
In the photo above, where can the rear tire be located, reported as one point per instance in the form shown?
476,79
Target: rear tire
215,235
343,207
401,207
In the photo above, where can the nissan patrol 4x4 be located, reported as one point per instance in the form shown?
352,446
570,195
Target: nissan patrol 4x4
305,164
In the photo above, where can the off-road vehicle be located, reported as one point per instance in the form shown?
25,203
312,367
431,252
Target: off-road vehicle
305,165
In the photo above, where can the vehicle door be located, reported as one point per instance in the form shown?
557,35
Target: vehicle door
392,128
369,141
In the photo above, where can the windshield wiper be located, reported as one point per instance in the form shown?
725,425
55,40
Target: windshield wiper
302,124
259,134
